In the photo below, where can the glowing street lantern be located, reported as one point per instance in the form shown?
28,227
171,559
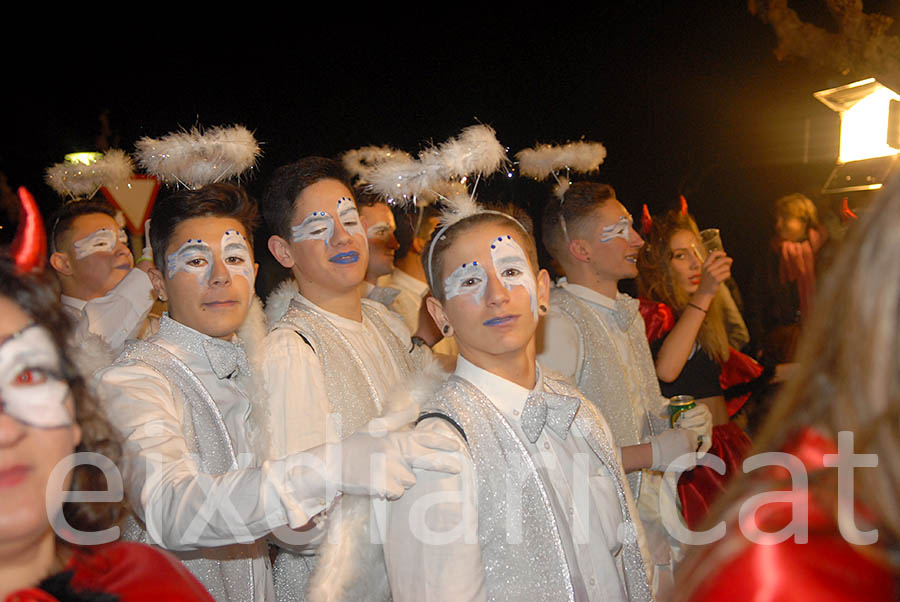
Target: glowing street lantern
85,158
870,119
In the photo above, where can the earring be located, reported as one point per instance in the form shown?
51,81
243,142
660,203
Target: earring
543,308
445,329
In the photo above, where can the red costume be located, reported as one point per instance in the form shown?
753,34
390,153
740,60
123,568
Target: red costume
130,572
699,488
825,569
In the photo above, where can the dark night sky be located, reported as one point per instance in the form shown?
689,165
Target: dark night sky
686,96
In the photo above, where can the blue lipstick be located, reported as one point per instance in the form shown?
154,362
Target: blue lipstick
349,257
498,321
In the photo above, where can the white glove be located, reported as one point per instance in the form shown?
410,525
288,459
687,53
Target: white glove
671,445
370,462
699,420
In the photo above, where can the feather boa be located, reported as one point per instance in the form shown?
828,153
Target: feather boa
76,180
195,158
350,567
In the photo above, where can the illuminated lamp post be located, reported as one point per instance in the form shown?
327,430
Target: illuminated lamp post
870,135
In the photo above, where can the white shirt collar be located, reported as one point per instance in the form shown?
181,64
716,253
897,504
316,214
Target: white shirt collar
72,302
589,294
506,395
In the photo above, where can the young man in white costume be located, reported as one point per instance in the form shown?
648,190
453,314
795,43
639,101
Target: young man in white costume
102,290
332,359
595,338
193,418
541,509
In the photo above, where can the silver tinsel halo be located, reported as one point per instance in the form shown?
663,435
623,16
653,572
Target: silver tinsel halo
77,180
196,157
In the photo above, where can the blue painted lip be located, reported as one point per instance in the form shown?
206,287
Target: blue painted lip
498,321
350,257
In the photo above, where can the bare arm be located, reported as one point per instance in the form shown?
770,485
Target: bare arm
676,349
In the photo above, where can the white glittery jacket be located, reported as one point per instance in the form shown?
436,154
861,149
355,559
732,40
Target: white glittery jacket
194,459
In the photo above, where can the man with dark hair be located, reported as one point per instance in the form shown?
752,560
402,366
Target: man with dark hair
193,414
101,289
332,358
594,337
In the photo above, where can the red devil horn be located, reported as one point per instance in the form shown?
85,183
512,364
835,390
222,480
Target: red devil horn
646,221
29,248
846,213
684,210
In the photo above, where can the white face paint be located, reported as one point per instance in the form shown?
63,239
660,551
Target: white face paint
467,279
349,217
320,225
512,268
103,240
193,257
236,255
620,229
32,389
317,226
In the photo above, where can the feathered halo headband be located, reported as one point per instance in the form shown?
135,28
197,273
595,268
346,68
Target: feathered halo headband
545,160
199,157
443,172
82,181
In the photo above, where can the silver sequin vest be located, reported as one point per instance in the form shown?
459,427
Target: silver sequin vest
351,391
226,571
602,377
535,568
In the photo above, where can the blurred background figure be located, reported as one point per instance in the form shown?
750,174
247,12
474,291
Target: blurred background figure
785,280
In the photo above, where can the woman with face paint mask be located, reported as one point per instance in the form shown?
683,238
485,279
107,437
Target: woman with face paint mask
535,512
47,549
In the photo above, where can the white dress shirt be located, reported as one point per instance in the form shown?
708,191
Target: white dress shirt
164,484
450,566
116,316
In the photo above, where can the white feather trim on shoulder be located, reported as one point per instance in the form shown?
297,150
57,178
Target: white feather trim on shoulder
195,158
279,299
76,180
251,334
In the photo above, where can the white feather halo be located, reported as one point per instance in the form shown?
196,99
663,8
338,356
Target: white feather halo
439,171
77,180
475,152
196,158
359,162
401,180
544,159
